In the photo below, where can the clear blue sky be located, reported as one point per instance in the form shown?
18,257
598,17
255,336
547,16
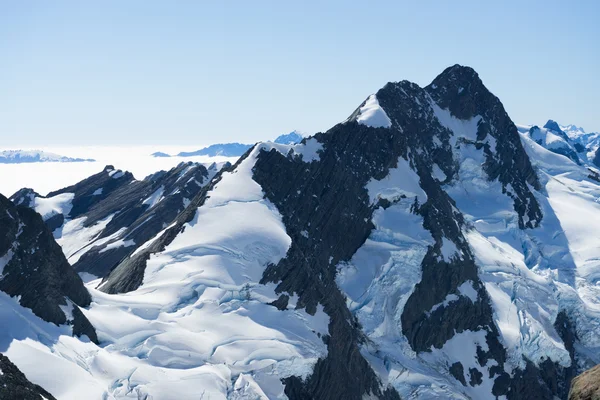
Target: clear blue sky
186,72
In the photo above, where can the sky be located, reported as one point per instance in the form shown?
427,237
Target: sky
187,72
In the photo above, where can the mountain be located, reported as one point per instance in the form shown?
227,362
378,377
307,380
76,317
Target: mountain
107,216
160,154
32,156
569,140
221,149
293,137
34,270
422,248
234,149
555,140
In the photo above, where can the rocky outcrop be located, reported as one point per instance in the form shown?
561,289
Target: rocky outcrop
15,385
34,269
586,386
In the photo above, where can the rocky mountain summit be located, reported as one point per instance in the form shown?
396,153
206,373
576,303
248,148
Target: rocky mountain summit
426,247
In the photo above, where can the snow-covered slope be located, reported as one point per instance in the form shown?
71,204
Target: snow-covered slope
32,156
423,248
199,324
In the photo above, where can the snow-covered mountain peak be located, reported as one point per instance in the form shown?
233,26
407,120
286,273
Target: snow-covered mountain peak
290,138
426,247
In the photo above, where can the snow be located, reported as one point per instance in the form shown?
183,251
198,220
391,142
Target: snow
5,259
117,244
371,114
199,325
97,192
467,290
401,181
466,129
309,150
438,173
449,250
59,204
155,197
462,348
75,238
377,282
115,174
449,299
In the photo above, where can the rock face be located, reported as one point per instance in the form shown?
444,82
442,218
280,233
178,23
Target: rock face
118,212
34,268
586,386
14,384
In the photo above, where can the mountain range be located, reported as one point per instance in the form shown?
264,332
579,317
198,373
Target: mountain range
31,156
424,248
233,149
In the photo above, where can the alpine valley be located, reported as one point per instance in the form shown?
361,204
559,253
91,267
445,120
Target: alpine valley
424,248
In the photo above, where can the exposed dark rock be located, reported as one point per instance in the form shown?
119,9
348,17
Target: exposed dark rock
596,159
14,385
593,175
82,326
24,197
282,302
476,377
37,270
84,198
579,147
458,372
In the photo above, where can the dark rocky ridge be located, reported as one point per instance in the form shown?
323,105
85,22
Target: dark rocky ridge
129,273
37,270
15,385
327,213
123,197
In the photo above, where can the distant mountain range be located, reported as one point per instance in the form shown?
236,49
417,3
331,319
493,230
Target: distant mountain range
567,140
233,149
32,156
